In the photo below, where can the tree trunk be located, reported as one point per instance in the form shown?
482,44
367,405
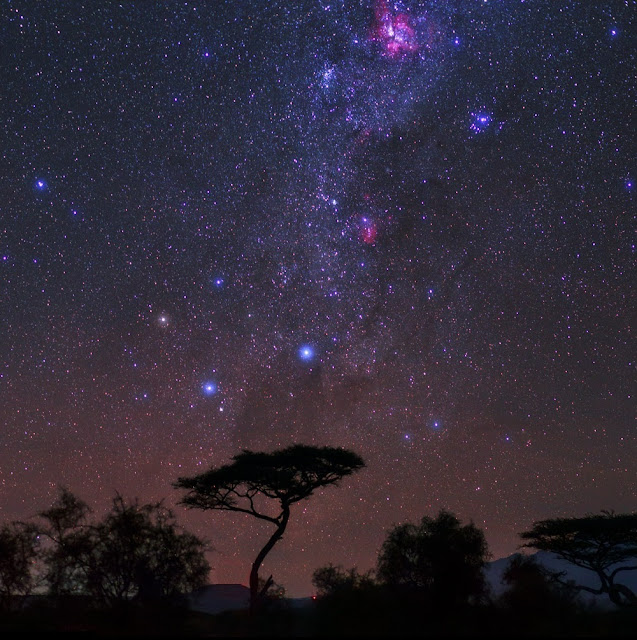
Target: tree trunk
622,596
256,565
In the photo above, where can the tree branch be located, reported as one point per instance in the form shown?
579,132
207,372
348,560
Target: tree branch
614,573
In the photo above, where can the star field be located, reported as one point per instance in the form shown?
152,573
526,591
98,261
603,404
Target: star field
404,228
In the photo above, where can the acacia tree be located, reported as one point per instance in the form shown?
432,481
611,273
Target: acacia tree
253,482
605,544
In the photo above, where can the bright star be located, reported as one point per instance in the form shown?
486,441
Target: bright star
40,185
209,388
306,353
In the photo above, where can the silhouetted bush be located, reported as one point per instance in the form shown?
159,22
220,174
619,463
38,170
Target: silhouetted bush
19,547
532,592
135,553
438,557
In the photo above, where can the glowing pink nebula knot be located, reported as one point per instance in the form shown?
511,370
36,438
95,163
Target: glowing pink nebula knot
393,31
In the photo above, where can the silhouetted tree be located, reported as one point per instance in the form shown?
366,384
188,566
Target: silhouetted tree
254,481
605,544
18,551
135,552
333,580
273,590
531,589
67,544
439,557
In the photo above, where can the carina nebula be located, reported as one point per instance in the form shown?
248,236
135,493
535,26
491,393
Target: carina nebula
405,228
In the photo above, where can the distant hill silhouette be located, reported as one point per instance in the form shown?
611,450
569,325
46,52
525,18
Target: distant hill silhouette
217,598
495,570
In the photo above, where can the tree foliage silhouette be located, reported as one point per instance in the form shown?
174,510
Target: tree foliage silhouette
439,557
253,482
67,544
18,550
605,544
531,592
333,580
135,552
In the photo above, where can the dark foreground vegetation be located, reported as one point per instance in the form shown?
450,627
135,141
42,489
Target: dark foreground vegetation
132,572
376,614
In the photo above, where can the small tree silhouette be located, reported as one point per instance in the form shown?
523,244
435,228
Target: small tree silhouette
439,557
285,477
136,552
18,550
67,544
531,591
606,544
333,580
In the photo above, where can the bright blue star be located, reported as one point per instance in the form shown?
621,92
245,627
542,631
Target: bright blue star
629,184
306,352
209,388
218,282
40,184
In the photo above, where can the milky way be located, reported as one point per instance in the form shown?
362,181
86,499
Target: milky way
403,228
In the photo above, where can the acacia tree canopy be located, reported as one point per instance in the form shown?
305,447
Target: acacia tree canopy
605,543
282,477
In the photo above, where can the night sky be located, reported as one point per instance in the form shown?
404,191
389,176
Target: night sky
403,228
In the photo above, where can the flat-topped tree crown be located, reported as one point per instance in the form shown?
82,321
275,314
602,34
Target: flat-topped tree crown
605,544
285,476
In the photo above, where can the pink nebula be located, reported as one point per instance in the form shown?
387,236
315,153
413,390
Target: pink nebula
393,31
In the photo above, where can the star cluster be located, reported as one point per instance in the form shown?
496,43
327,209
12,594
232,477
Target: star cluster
407,228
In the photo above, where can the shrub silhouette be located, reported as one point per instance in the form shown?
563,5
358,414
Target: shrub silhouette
19,548
136,552
531,590
439,557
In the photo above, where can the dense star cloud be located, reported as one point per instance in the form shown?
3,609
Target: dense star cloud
405,228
